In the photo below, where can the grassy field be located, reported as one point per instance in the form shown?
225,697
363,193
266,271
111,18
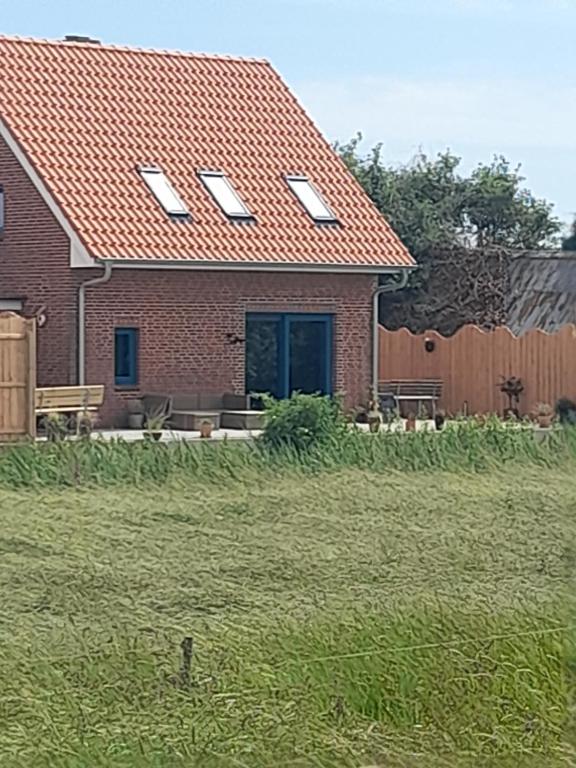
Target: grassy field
347,617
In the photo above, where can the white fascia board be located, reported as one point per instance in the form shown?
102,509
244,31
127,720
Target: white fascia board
256,267
79,256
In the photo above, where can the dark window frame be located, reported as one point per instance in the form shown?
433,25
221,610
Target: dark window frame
2,209
284,320
145,172
330,218
244,215
131,378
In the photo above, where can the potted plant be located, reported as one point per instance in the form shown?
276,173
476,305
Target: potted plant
374,414
85,424
439,420
206,428
411,422
512,387
544,413
155,422
56,426
566,412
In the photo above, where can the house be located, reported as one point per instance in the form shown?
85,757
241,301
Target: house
177,223
542,291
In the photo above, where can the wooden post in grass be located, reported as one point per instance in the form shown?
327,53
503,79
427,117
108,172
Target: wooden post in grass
187,646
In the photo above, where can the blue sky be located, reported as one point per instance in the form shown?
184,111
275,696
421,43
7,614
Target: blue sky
478,76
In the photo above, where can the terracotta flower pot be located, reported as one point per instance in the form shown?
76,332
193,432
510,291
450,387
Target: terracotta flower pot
545,422
206,429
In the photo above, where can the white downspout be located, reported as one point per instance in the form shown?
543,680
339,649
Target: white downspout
82,319
390,288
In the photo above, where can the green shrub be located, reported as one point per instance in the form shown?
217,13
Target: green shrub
302,421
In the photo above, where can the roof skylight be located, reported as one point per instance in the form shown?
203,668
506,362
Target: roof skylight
163,191
223,192
310,198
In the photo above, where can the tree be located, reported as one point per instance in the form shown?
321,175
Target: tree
432,206
460,229
569,244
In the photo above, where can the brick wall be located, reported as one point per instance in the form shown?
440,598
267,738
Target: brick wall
184,318
34,265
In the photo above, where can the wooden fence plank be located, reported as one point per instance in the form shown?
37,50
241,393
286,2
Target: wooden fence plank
17,377
472,362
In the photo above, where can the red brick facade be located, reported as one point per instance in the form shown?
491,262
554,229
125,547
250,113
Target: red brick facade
183,316
34,265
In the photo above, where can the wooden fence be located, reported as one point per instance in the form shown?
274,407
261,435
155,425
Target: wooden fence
472,362
17,377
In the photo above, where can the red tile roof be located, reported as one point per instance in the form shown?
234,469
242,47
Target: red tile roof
87,115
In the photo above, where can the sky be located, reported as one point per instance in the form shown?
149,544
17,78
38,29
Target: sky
480,77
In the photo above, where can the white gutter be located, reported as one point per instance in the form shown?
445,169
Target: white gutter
254,266
390,288
82,318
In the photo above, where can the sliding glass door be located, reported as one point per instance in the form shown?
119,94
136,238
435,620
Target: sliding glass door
288,353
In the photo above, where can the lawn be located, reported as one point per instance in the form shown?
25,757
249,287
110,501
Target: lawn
341,618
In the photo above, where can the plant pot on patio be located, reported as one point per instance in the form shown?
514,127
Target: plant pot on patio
374,415
135,411
155,435
154,424
206,428
544,415
411,423
135,420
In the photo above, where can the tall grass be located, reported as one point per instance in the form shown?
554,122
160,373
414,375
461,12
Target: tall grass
342,619
341,693
461,447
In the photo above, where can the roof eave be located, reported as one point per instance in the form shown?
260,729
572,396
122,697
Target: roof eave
371,269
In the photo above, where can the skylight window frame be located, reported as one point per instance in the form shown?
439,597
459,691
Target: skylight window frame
243,213
181,212
330,218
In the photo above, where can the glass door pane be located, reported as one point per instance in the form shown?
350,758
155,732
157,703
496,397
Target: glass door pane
309,355
263,355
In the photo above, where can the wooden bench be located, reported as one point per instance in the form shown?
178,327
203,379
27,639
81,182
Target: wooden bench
69,400
417,391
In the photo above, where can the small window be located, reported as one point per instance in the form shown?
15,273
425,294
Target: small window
126,357
310,198
163,191
11,305
1,209
225,195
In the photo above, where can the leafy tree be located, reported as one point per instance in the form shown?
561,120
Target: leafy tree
569,244
432,206
461,230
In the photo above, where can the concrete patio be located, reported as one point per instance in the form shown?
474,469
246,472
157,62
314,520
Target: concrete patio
218,435
172,436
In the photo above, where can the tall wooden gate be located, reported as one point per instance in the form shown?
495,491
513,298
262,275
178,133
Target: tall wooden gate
17,377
